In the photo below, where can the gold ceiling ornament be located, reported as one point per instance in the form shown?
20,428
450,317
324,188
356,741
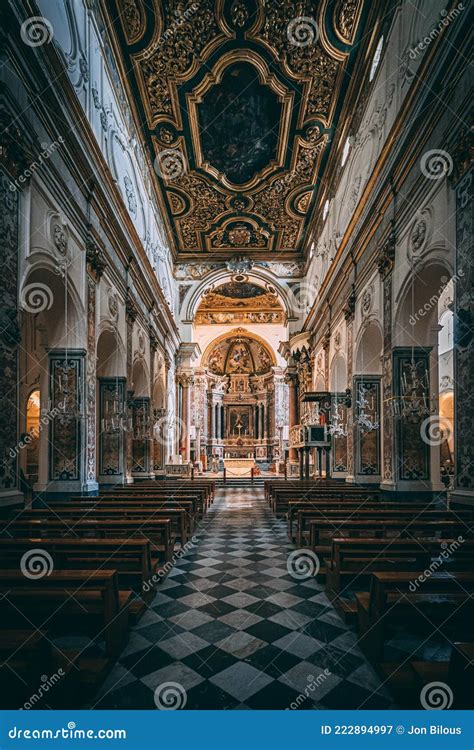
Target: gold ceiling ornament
236,166
133,20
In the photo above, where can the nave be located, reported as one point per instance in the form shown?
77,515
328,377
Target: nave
275,594
237,631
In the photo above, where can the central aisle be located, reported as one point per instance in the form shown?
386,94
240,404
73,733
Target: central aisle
232,629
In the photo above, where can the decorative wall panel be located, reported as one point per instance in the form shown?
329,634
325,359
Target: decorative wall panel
111,448
412,450
66,392
366,403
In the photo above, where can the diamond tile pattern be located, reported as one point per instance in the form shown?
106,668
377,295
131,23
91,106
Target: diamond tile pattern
236,631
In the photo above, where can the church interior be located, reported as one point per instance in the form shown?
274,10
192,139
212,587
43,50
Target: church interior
236,355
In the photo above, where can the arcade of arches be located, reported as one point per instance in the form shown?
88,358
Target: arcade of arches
250,262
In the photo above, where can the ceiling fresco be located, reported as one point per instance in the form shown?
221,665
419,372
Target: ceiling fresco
239,302
238,101
239,355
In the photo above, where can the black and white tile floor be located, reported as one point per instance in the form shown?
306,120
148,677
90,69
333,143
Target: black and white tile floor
235,630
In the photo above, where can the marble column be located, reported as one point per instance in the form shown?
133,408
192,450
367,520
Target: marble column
292,381
186,381
131,312
386,261
95,266
463,183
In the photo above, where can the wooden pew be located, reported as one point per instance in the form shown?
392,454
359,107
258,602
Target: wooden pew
281,498
395,595
197,499
85,597
406,680
299,514
358,557
26,656
156,530
322,531
130,557
178,516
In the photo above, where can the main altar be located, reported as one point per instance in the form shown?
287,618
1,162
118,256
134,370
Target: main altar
244,386
239,467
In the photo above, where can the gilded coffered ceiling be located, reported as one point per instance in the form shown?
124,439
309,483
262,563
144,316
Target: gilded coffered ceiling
238,101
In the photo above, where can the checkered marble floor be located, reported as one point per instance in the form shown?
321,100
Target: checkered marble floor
234,630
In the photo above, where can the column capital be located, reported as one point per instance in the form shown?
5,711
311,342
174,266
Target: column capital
291,378
131,307
386,256
96,263
185,379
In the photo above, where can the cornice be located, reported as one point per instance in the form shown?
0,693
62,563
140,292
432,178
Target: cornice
84,160
359,236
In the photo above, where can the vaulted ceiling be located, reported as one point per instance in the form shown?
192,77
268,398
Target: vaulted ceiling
238,101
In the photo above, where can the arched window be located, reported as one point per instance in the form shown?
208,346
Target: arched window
376,59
